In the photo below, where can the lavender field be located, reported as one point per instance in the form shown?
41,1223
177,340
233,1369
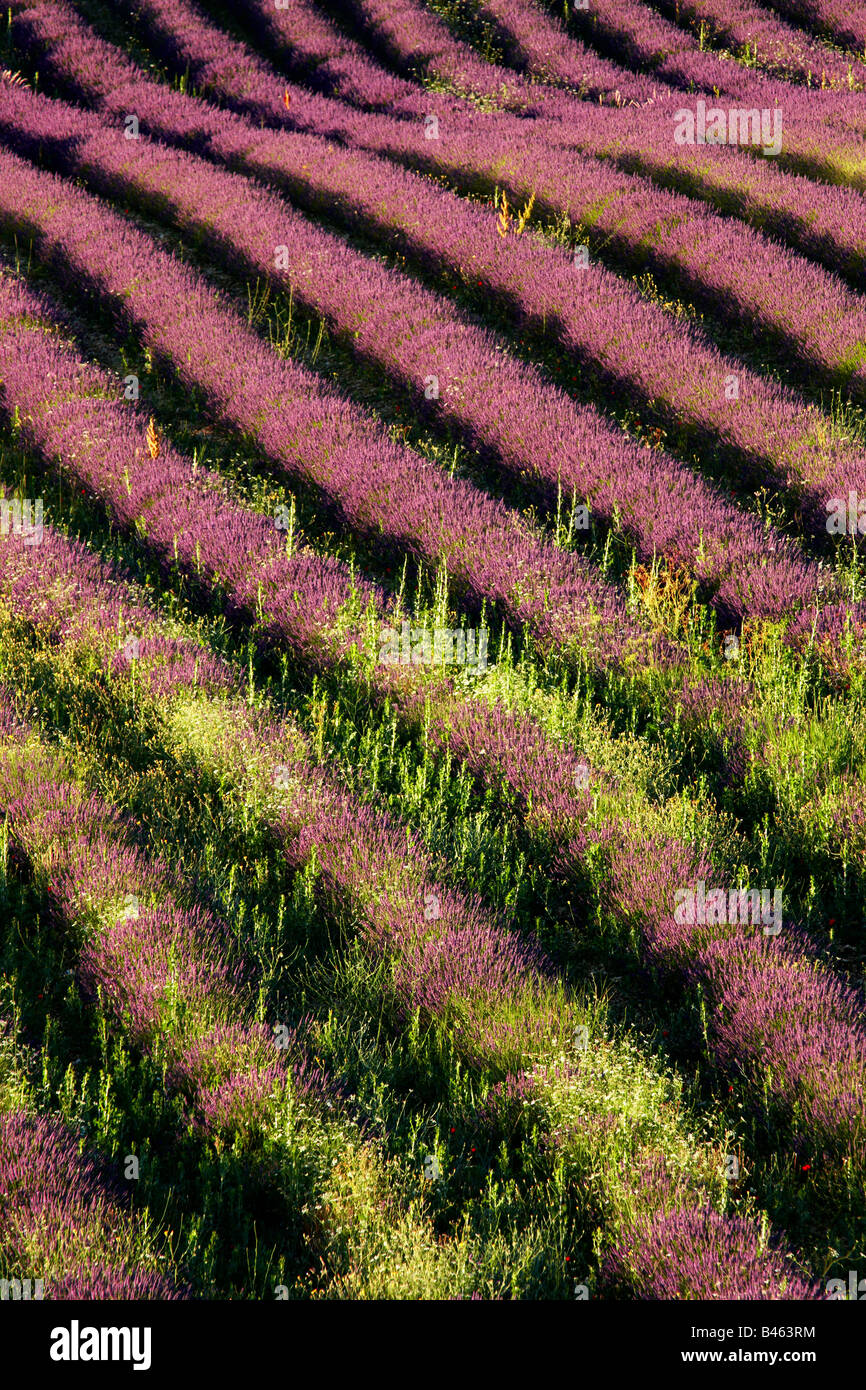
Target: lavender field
433,650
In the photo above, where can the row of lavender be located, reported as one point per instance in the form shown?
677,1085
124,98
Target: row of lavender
63,1214
66,1227
66,1216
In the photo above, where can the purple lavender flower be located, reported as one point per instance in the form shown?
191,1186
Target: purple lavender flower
70,1210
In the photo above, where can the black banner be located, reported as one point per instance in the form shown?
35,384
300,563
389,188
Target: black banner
59,1341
